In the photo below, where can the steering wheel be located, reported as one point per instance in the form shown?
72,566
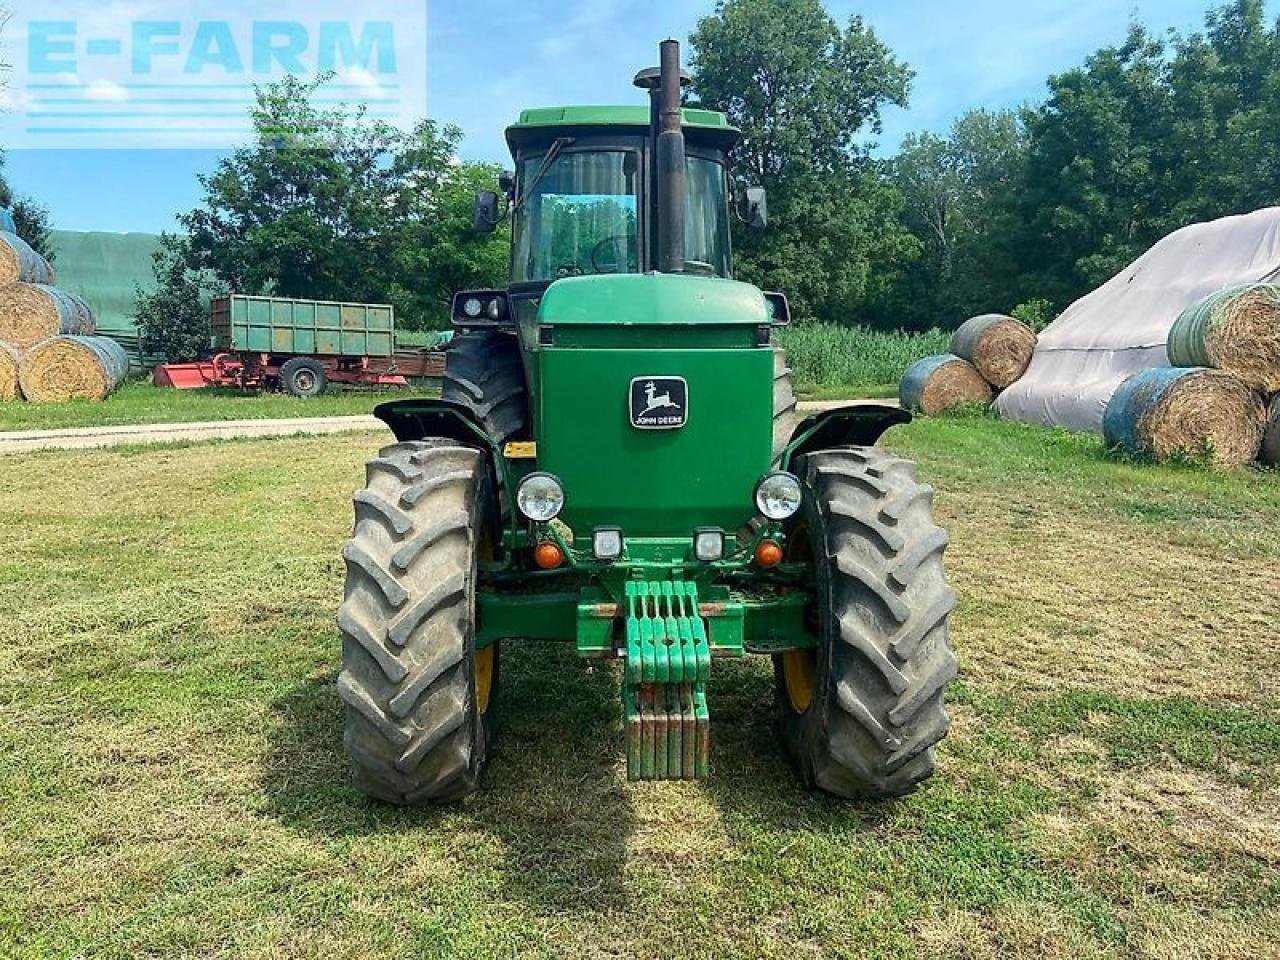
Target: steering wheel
618,242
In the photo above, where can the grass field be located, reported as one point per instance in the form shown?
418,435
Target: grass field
172,782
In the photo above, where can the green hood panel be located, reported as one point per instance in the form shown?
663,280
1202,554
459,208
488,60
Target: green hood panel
652,298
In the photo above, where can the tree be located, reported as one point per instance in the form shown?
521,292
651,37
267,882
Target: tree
958,194
173,320
804,91
328,204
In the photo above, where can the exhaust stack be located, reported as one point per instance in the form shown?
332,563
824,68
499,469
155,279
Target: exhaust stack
669,151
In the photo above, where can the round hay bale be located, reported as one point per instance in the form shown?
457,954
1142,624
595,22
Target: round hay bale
1193,412
999,347
1271,439
937,384
21,264
72,368
31,312
8,374
1236,330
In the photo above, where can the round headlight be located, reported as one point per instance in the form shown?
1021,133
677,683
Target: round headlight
778,495
494,310
472,306
540,497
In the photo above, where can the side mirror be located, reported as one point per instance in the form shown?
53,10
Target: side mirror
757,213
486,213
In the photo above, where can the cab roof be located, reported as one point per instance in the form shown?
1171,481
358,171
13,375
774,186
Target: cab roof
563,119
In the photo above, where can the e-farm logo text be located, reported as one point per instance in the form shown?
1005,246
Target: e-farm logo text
169,74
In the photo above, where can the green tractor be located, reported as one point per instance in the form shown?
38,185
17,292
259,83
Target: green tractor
617,462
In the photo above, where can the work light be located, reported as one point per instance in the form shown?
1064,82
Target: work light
472,306
778,495
708,543
540,497
606,543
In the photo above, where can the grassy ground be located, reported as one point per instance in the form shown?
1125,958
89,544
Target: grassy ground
172,781
140,402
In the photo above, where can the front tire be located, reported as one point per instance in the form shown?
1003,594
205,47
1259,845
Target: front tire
419,696
860,715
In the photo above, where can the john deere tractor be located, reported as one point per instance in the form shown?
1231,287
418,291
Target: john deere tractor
617,463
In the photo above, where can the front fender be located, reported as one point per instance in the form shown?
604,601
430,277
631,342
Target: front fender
859,425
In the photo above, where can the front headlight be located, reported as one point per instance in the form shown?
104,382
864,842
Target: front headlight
540,497
778,495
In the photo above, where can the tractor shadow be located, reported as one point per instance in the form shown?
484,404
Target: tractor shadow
553,797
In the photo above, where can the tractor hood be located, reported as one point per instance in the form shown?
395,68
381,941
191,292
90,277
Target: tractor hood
654,401
652,298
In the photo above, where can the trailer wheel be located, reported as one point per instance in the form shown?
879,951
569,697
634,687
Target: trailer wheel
861,714
419,696
303,377
483,371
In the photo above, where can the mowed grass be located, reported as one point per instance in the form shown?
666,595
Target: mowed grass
140,402
831,362
172,780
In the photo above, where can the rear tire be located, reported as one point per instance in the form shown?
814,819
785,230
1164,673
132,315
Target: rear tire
419,697
303,377
861,714
483,371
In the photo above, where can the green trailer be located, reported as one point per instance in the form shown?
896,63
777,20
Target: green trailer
299,346
617,463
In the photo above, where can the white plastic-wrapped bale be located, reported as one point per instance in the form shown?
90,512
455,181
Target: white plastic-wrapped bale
31,312
72,368
937,384
1237,331
21,264
1192,412
999,347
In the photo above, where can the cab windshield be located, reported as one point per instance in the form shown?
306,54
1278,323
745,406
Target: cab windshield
581,216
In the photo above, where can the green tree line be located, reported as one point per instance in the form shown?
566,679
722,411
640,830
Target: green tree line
1021,210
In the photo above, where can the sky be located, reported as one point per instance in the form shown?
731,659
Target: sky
488,59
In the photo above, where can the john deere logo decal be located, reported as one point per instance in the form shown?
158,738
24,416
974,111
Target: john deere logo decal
659,403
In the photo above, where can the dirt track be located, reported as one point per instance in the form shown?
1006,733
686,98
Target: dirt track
81,438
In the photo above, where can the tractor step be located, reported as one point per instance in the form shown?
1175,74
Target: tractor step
665,690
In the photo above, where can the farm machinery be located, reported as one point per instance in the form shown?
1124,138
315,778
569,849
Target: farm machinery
617,462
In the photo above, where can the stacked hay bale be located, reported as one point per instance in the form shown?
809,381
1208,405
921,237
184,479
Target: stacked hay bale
48,351
988,354
1213,402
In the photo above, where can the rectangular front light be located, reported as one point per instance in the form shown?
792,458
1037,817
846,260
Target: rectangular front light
708,543
606,543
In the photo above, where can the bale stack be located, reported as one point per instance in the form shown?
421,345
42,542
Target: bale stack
48,352
72,368
1189,412
1212,402
945,382
20,264
999,347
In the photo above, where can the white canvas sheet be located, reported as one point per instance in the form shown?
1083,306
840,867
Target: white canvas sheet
1122,327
